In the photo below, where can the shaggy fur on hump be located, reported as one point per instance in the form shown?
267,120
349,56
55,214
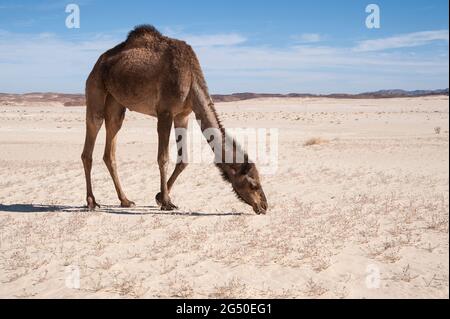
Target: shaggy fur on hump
142,30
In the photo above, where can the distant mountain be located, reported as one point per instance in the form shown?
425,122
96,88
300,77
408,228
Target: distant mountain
37,97
248,96
403,93
79,99
367,95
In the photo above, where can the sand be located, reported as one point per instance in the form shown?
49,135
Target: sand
358,207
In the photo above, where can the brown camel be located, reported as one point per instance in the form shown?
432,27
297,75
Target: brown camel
158,76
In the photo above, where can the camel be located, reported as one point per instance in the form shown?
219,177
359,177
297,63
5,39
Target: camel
158,76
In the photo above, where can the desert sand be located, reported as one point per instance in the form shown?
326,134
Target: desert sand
358,207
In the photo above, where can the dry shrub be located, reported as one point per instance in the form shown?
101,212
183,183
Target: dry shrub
180,288
314,289
234,288
315,141
128,285
405,275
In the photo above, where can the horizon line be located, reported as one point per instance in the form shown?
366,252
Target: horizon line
260,93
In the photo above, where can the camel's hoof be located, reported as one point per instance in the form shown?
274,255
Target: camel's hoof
127,204
168,207
165,207
92,204
158,199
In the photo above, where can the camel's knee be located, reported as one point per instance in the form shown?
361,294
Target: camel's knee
163,161
94,121
182,165
86,159
108,160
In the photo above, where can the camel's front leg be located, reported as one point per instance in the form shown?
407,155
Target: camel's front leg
181,125
164,126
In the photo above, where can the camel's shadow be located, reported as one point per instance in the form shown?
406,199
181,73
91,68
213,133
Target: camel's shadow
117,210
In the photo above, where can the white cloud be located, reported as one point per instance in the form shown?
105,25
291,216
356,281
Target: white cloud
403,41
207,40
47,62
318,69
310,57
307,38
214,40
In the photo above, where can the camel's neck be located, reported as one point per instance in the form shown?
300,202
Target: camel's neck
208,118
228,155
204,110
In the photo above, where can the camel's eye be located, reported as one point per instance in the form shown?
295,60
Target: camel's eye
253,186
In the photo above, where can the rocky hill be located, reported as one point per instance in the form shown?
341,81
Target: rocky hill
79,99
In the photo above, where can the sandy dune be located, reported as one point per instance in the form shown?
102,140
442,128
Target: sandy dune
361,214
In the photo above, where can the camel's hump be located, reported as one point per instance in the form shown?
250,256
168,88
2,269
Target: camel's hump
142,30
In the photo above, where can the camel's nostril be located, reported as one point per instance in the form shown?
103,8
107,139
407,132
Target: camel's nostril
260,210
264,206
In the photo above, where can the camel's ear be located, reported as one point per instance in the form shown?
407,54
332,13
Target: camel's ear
245,168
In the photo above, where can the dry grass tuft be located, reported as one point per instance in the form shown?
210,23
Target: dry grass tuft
437,130
234,288
314,289
128,285
405,275
315,141
180,288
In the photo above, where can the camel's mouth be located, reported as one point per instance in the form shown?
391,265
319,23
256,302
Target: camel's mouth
260,209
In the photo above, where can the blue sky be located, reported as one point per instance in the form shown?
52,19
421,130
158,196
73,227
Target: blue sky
320,46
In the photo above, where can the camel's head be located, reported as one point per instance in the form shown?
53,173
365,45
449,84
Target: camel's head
247,186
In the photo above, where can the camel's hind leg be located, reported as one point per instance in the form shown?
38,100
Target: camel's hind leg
114,116
94,120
